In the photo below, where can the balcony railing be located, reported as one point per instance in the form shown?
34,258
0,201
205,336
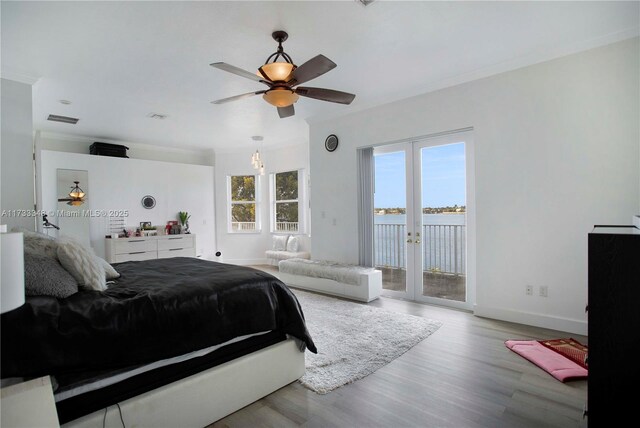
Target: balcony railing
443,247
243,225
281,226
287,226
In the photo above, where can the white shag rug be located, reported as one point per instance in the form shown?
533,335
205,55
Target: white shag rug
354,340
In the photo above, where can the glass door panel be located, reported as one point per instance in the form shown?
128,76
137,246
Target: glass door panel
441,191
390,218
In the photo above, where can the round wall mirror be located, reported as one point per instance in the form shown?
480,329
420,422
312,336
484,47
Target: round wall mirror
148,202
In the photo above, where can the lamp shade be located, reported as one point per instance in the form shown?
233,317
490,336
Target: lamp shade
12,274
280,97
277,71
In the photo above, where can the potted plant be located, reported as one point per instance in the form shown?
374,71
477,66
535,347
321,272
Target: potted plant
184,217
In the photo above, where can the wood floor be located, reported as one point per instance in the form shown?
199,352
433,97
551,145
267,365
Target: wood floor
460,376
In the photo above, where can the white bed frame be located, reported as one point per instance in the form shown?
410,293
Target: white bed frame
201,399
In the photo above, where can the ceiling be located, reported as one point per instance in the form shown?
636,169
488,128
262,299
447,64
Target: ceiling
117,62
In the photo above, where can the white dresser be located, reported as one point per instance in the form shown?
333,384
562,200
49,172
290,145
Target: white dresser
149,247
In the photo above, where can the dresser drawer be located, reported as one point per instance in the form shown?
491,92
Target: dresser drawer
134,245
136,256
179,252
175,242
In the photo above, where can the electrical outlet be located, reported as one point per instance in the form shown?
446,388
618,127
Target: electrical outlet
529,290
544,291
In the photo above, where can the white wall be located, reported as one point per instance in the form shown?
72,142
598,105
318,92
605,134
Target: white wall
249,248
557,149
120,184
81,144
16,153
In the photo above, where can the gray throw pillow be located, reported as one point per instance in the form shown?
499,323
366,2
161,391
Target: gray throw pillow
38,243
45,276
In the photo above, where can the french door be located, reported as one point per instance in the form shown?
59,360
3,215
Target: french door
423,219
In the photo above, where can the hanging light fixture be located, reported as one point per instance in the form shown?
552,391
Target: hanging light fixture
283,78
279,73
76,192
76,195
256,160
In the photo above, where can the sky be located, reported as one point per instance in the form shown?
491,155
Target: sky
443,177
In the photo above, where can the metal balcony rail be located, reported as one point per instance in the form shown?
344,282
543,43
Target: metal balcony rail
443,247
287,226
243,225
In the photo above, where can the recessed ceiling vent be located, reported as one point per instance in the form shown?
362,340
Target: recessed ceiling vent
157,116
63,119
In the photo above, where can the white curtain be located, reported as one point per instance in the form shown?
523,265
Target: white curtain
366,175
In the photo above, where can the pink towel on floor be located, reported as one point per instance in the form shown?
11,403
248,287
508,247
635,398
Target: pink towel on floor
550,361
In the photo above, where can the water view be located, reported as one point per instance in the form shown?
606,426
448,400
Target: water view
442,239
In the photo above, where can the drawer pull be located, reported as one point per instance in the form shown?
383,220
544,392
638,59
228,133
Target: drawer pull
175,238
175,249
138,252
138,240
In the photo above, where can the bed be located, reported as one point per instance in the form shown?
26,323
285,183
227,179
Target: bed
179,338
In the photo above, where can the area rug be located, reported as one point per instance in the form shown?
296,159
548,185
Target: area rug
354,340
564,359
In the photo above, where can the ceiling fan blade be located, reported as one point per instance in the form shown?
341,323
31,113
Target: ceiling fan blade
237,97
311,69
286,111
326,95
239,72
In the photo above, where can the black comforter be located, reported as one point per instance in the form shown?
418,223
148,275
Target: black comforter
157,309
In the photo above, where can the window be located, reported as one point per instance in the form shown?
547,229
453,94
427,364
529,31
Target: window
242,191
287,202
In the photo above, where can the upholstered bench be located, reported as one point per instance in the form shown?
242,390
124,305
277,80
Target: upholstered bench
339,279
285,247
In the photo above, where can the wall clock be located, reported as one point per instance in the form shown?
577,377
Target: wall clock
331,143
148,202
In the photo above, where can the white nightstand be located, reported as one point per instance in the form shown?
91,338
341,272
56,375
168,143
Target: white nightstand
28,405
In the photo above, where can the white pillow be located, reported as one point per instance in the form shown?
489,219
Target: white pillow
293,244
280,242
110,272
81,263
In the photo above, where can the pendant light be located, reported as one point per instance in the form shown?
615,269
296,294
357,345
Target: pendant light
256,159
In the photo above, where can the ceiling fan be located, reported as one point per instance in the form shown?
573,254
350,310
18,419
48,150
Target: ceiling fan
76,196
283,79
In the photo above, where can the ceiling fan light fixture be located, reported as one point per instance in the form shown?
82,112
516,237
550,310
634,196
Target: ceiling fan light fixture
76,192
283,78
280,97
277,71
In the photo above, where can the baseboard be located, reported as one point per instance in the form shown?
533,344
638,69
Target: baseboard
538,320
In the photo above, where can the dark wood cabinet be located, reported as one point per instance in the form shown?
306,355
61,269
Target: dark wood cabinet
614,324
